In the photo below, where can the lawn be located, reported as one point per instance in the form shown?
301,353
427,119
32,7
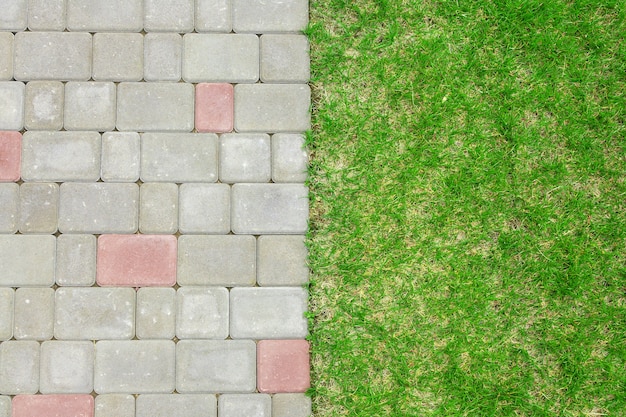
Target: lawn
468,208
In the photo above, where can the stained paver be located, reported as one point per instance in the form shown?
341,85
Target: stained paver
291,405
34,314
39,207
27,260
168,16
158,207
204,208
117,56
66,367
281,260
46,15
289,158
19,367
115,405
89,106
6,56
156,313
202,313
76,260
253,405
120,157
80,405
11,149
110,15
43,106
245,158
7,299
283,366
162,59
214,107
9,201
12,105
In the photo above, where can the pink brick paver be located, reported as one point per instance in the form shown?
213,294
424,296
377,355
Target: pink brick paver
214,107
136,260
283,366
53,406
10,155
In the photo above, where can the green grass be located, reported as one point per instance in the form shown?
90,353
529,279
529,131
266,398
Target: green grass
468,223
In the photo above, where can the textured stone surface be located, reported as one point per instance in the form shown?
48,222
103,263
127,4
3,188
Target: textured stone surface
245,158
89,106
156,313
281,261
120,157
251,405
80,405
34,314
115,405
110,15
11,105
43,106
284,59
289,158
168,15
216,260
11,150
283,366
19,367
202,313
213,16
266,16
14,14
117,56
291,405
204,208
39,207
158,207
162,59
66,367
5,406
214,107
7,300
27,260
9,201
76,260
46,15
176,405
6,56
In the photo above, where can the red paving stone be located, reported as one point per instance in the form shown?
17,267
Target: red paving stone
136,260
214,107
283,366
53,406
10,155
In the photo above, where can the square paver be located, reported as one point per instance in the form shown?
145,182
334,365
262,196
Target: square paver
89,106
6,56
34,314
110,15
270,16
213,16
11,105
120,157
245,158
39,207
7,300
156,313
43,106
176,405
66,367
27,260
9,201
204,208
168,15
283,366
115,405
291,405
250,405
14,14
76,260
117,56
46,15
282,261
19,367
202,313
290,159
158,207
11,150
162,59
214,107
285,59
66,405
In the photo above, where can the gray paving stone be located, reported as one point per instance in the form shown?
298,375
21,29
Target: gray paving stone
34,314
176,405
7,300
76,260
5,406
110,15
66,367
114,405
59,56
101,207
43,106
216,260
168,16
135,366
89,106
281,261
120,157
289,158
272,108
46,15
179,157
202,313
267,16
155,107
39,207
204,208
220,366
27,260
269,209
158,208
291,405
245,157
117,56
249,405
9,201
93,313
268,313
162,59
14,15
220,58
156,313
11,105
284,59
6,56
213,16
19,367
61,156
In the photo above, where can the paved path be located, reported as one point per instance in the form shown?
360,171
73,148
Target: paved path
153,208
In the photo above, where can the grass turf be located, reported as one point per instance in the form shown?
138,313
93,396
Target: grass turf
468,223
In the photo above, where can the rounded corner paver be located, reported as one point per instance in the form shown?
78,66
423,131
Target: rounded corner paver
235,405
66,405
214,107
291,405
11,151
283,366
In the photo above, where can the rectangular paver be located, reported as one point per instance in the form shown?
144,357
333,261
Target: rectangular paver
291,405
89,106
204,208
158,207
39,207
11,149
235,405
289,158
281,260
19,367
162,56
169,16
46,15
214,107
76,260
284,59
213,16
115,405
27,260
156,313
66,367
109,15
245,157
176,405
202,313
283,366
43,106
14,14
7,300
11,105
34,314
120,157
9,201
268,16
79,405
117,56
5,406
6,56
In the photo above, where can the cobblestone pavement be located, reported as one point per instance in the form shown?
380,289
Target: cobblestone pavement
153,208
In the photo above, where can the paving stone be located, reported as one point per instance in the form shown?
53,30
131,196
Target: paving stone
266,16
202,313
176,405
19,367
115,405
101,207
59,56
110,15
158,207
53,405
216,260
39,207
14,15
284,59
11,151
89,106
282,261
117,56
93,313
66,367
168,15
214,107
178,157
7,301
245,158
11,105
269,209
135,366
220,58
120,157
220,366
34,314
272,108
204,208
136,260
5,406
268,313
27,260
9,201
156,313
6,56
76,260
213,16
155,107
43,107
283,366
46,15
249,405
162,59
291,405
61,156
289,158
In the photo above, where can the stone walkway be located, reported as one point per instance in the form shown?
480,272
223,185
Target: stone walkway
153,208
